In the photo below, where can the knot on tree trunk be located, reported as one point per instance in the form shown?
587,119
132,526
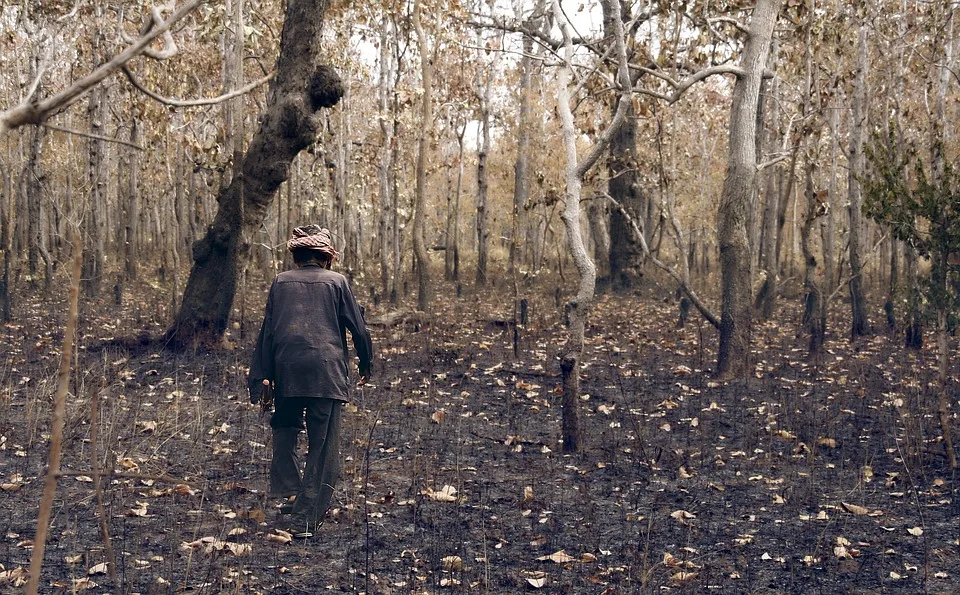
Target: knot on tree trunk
326,87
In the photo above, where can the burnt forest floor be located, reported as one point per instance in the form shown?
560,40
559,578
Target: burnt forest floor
809,477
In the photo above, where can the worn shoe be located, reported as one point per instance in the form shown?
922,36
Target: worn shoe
301,528
287,507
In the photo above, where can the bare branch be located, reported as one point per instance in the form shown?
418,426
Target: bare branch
169,45
96,136
37,112
774,161
680,87
194,102
730,21
684,285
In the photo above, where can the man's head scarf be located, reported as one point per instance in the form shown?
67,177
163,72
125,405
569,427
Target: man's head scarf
313,237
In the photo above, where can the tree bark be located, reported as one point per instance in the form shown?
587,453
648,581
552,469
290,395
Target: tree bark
94,261
858,122
738,186
451,257
132,219
385,165
482,180
420,253
624,183
577,311
290,123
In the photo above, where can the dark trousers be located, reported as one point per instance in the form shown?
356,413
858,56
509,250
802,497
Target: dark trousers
314,487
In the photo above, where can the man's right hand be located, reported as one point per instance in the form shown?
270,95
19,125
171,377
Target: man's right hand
256,391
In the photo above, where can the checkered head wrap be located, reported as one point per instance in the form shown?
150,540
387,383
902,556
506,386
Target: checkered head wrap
313,237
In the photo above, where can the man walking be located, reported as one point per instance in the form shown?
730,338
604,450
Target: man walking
302,350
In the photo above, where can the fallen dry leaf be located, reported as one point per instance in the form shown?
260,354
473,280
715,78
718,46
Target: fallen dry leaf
537,580
100,568
683,576
452,563
915,531
447,493
854,509
682,515
280,537
560,557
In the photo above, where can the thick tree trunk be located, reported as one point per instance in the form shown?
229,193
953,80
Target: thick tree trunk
420,253
858,122
624,183
738,186
290,124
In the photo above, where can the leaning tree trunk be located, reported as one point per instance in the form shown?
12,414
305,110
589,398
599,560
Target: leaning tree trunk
578,309
290,124
426,119
858,121
738,186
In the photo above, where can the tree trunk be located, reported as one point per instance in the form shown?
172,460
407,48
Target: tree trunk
6,239
35,179
384,167
482,181
132,219
624,183
738,186
830,229
578,309
769,228
420,253
93,264
290,124
858,122
451,257
521,178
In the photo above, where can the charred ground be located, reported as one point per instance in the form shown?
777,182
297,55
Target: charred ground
809,477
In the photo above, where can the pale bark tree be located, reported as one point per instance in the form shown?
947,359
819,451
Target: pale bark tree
733,358
575,168
421,256
94,262
289,124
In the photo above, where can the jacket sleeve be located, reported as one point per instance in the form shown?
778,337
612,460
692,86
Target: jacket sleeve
261,367
351,315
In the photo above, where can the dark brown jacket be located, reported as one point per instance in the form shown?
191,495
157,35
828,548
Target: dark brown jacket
303,342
